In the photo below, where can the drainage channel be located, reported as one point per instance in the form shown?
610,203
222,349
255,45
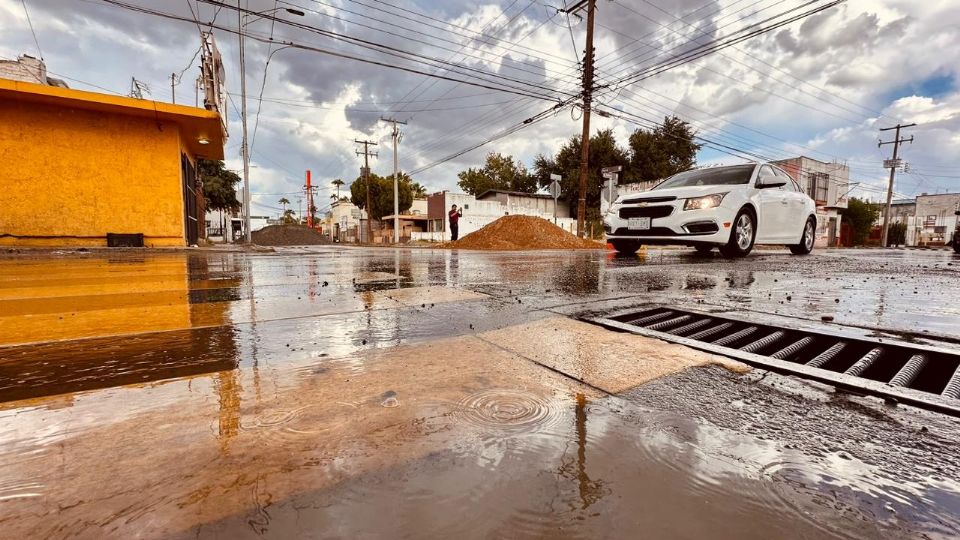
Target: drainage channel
927,377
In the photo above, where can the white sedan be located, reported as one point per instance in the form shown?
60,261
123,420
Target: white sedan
731,207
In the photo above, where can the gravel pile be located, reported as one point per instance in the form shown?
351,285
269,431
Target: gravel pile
520,233
288,235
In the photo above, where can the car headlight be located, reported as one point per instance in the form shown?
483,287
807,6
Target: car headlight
702,203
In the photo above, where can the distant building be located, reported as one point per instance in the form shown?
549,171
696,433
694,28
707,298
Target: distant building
487,208
937,218
828,185
344,222
80,165
28,69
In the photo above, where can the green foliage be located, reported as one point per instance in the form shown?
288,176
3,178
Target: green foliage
897,234
381,194
337,183
498,172
219,185
860,215
604,152
288,217
662,152
419,191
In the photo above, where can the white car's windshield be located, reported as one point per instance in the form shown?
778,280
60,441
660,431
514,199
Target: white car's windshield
736,174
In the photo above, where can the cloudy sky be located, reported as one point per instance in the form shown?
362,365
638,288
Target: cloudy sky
820,87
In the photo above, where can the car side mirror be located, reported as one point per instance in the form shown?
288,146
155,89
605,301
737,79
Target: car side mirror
770,182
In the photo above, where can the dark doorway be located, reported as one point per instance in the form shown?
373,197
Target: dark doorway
191,210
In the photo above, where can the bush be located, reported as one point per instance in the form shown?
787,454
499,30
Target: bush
860,215
897,234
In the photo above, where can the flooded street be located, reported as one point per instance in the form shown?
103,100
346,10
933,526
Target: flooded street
366,393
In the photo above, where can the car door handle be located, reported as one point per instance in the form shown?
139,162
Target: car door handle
784,202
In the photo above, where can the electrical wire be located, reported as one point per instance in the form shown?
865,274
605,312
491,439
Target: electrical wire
502,88
34,33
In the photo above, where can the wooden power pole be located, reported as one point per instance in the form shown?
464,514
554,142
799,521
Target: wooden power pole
365,174
893,165
587,100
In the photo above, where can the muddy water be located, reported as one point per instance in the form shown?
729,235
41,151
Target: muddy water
333,393
572,467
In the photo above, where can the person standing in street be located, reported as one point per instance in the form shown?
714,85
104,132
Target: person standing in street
455,215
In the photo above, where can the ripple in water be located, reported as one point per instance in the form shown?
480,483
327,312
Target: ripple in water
512,410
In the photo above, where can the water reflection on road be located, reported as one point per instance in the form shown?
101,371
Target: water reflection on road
346,393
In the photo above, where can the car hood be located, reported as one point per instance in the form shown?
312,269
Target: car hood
684,192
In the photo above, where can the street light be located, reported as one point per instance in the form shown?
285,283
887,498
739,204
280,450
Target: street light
244,149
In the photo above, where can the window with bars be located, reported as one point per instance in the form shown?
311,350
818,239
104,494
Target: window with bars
817,186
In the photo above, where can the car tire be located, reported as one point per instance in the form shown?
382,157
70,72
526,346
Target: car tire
626,247
956,245
742,235
703,249
806,239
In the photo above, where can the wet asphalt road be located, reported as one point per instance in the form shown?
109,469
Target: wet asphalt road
346,393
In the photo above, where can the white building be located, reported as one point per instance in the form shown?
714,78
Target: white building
936,218
487,208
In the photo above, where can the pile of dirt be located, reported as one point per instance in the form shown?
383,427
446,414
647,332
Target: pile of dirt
521,232
288,235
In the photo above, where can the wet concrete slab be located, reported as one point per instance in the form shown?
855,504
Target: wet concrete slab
610,361
362,393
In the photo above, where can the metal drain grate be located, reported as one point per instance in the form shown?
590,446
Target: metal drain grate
927,377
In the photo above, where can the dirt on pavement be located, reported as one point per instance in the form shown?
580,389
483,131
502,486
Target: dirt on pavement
288,235
521,232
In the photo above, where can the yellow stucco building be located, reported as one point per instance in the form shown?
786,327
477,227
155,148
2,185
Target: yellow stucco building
76,166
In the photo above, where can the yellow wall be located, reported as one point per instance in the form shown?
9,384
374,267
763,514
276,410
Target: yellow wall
75,175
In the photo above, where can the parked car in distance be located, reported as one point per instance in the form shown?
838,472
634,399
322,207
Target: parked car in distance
732,208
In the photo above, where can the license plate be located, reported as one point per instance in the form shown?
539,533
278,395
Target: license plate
638,223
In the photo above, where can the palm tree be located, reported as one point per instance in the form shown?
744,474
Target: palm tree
338,182
284,202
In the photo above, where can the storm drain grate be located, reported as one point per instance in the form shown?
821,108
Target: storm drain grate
927,377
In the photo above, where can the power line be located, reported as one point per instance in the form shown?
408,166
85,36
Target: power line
30,24
526,86
425,60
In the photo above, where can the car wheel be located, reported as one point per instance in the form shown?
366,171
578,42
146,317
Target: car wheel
626,247
956,246
703,249
806,241
742,235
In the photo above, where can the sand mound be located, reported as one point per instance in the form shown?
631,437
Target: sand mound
288,235
521,232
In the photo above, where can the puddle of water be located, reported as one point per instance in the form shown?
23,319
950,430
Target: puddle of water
532,467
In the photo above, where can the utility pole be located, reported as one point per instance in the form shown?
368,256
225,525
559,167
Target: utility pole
396,172
309,189
244,150
173,88
587,100
365,174
893,165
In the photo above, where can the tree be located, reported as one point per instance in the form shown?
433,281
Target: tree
666,150
897,234
284,202
419,191
498,172
604,152
381,194
219,185
861,216
288,218
337,183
